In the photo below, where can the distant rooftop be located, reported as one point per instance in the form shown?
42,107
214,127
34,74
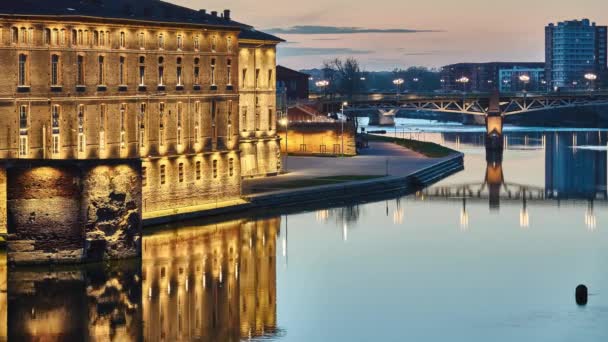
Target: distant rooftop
143,10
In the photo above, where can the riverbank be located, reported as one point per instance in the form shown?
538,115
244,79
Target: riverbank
384,168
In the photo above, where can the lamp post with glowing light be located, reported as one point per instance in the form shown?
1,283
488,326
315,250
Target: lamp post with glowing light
398,82
591,77
285,123
464,80
525,79
344,104
323,85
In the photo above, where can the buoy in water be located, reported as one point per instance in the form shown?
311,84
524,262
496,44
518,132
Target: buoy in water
581,295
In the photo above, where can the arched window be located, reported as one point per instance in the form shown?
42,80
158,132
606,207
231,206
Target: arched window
47,36
161,71
14,35
179,72
197,71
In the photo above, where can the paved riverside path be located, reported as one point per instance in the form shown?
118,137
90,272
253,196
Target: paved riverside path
371,162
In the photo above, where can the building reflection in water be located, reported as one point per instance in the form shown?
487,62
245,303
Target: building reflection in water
211,283
575,173
95,303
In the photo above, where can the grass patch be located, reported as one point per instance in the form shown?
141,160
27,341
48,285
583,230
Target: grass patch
427,149
304,183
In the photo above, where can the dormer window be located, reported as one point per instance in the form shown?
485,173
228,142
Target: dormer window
213,44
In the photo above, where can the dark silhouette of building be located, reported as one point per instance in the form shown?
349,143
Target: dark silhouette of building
483,77
293,83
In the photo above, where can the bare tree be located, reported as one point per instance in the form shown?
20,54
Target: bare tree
345,76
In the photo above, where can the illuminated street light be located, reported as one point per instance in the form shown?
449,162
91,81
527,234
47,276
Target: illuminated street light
362,78
344,104
591,77
323,85
398,82
525,79
285,123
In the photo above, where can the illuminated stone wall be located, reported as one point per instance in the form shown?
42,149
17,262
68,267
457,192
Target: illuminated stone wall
318,138
258,110
67,212
214,282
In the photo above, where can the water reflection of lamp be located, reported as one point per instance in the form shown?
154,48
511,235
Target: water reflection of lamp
590,219
285,239
464,216
398,213
524,216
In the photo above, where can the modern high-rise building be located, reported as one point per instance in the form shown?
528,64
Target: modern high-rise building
574,49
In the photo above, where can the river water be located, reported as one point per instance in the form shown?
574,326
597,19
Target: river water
492,253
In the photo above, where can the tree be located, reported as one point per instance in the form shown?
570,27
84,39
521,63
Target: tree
344,76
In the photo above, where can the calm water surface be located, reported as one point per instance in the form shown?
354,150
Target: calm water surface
490,254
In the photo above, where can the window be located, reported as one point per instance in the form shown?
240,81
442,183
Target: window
231,167
229,133
47,36
80,70
213,112
62,37
163,174
212,71
54,70
23,130
142,125
96,38
55,37
198,170
181,172
14,35
229,71
144,176
102,38
80,124
23,35
102,126
257,78
197,111
229,44
123,126
161,71
123,40
180,115
179,71
214,169
30,36
257,114
180,42
142,40
244,118
55,130
244,76
23,72
196,43
161,41
197,71
101,71
161,121
142,71
213,44
122,70
270,120
270,78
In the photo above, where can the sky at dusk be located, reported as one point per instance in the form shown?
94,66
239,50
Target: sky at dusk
385,34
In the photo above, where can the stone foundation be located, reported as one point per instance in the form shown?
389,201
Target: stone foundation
69,212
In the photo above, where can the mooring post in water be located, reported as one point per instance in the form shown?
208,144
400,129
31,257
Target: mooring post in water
494,123
582,295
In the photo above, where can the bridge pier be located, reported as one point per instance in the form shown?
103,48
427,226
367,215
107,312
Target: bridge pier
73,211
384,117
494,124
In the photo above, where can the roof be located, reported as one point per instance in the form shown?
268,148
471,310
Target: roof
142,10
290,72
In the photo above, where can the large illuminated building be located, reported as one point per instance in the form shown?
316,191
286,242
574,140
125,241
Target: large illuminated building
178,103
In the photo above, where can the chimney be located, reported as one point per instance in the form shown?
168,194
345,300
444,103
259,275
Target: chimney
202,11
214,13
227,14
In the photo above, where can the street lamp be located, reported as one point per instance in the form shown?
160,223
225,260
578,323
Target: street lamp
525,79
323,85
285,123
464,80
344,104
591,77
398,82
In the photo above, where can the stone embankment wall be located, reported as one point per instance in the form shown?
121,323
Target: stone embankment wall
67,212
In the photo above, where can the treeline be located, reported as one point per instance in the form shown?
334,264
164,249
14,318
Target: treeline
346,77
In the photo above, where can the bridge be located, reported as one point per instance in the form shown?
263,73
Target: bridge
492,107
